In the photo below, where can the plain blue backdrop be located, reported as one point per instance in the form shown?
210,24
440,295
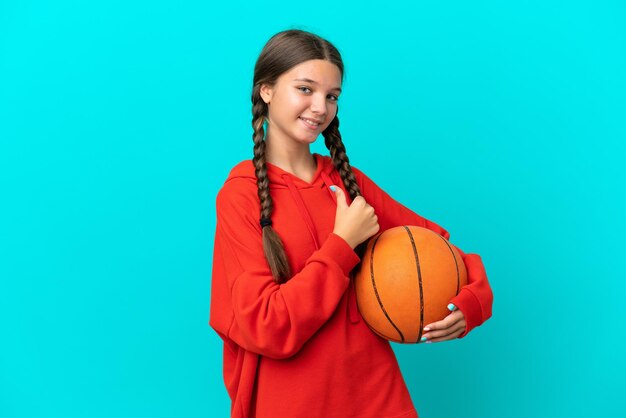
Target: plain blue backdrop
119,121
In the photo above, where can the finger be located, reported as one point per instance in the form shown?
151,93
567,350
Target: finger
434,335
444,323
451,323
448,337
340,195
453,333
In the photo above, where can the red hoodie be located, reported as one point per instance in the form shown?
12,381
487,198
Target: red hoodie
301,349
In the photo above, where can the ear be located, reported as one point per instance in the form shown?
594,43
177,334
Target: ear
266,92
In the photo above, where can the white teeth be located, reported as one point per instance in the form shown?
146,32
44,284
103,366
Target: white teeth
309,122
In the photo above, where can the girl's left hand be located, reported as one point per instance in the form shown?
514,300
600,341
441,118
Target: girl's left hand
448,328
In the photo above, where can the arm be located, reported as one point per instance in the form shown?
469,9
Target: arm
248,307
476,298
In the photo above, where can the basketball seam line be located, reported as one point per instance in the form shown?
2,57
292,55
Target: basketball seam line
456,264
419,280
380,303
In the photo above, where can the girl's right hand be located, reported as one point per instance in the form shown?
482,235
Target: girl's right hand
354,223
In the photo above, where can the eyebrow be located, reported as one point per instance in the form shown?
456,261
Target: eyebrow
308,80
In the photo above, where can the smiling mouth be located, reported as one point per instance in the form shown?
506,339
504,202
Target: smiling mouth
310,122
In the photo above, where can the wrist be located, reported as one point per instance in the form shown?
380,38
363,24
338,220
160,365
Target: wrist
346,239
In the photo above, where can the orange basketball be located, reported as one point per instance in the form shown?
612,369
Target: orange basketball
405,281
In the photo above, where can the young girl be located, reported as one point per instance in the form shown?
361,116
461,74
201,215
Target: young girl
288,222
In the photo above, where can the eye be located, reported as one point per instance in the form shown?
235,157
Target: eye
304,89
333,97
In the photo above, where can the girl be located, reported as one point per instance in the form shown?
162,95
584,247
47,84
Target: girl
288,222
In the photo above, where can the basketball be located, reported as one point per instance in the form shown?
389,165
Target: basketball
405,280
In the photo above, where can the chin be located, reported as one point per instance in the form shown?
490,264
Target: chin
306,139
309,140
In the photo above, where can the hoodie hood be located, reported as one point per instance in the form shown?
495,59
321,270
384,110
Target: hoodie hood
280,178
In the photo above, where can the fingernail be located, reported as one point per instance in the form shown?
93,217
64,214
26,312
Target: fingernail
428,329
333,188
423,339
451,307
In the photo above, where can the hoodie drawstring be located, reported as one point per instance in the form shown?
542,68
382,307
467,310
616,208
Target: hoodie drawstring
353,309
328,182
303,210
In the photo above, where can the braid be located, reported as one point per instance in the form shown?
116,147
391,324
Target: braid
272,245
332,139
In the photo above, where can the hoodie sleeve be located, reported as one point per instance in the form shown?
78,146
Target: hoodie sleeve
247,306
474,299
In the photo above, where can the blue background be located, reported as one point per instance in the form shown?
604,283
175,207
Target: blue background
119,121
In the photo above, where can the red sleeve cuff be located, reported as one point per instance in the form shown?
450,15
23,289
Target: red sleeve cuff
467,303
338,249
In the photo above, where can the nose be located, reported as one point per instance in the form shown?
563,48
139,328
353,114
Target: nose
318,105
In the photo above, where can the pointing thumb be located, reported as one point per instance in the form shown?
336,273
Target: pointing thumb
340,195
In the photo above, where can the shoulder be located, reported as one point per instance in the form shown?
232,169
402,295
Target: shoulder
239,191
357,172
360,176
369,188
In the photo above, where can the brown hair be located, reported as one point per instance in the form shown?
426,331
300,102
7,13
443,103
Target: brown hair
282,52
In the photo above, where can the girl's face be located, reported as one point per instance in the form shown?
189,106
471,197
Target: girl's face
302,102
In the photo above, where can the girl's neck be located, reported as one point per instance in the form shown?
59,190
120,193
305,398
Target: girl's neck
296,159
